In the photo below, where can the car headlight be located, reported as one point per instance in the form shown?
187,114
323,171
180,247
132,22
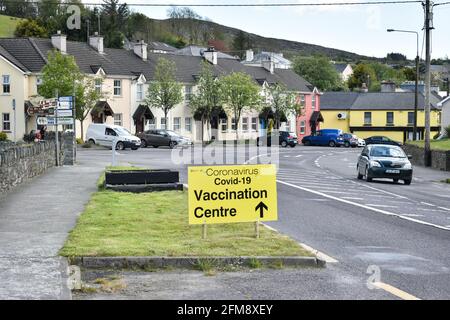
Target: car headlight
375,164
407,166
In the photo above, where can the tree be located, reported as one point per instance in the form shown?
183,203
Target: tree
165,92
363,73
320,72
282,102
208,95
114,22
239,93
30,28
241,43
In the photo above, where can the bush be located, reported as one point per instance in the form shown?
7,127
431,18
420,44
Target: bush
28,137
3,136
80,141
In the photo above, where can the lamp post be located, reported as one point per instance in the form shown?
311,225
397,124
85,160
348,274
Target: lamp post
416,100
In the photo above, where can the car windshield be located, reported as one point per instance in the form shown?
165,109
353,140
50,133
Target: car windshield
387,151
122,131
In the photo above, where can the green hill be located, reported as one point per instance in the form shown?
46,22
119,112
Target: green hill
8,25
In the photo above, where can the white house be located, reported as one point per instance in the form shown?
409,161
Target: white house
445,114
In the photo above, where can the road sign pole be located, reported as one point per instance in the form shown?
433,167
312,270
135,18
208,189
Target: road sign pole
204,231
57,130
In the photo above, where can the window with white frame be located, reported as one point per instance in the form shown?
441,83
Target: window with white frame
163,123
187,93
245,124
38,83
302,127
255,124
140,92
188,124
117,87
302,100
6,122
224,125
313,103
233,124
118,119
6,80
176,124
152,124
98,85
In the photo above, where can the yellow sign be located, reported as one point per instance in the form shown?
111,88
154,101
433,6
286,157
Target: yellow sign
229,194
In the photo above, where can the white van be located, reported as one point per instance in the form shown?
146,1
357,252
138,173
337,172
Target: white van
105,135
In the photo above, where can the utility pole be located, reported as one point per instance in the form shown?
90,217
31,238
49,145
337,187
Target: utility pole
428,28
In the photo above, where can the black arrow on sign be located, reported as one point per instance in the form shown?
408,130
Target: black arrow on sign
261,207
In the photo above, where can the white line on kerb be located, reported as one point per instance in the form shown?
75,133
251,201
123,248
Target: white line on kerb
364,206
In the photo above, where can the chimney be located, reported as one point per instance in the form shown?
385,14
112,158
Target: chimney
269,65
364,88
210,55
96,42
59,41
140,49
388,86
249,55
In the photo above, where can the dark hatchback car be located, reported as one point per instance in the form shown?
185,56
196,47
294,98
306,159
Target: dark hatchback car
162,138
382,140
286,139
384,161
350,140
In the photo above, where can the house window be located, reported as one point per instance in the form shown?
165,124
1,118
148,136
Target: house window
187,93
176,124
302,100
152,124
163,123
410,118
38,83
245,124
389,118
140,92
224,125
6,84
233,124
117,87
302,127
367,118
313,103
98,85
255,124
118,119
6,122
188,124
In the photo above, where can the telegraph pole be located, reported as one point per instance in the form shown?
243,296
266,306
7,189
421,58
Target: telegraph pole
428,28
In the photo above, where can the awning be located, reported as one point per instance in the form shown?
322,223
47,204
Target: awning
316,117
102,107
143,111
27,105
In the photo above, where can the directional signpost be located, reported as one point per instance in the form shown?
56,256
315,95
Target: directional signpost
231,194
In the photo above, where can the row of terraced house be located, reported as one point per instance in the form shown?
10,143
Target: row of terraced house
124,76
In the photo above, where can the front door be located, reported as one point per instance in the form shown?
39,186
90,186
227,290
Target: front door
140,125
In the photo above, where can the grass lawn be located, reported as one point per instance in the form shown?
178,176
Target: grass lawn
156,224
435,144
8,26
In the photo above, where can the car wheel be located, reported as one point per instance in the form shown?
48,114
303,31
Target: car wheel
120,146
143,143
292,145
156,147
408,182
284,144
395,180
332,144
172,144
347,144
134,149
91,141
307,143
368,179
360,176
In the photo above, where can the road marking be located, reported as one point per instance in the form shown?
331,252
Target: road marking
387,213
394,291
428,204
380,205
413,215
321,200
444,208
352,198
318,254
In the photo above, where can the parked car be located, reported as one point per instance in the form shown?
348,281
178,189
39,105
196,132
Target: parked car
325,137
384,161
382,140
361,142
105,135
163,138
286,139
350,140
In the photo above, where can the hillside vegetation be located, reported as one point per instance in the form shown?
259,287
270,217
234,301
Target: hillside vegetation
8,25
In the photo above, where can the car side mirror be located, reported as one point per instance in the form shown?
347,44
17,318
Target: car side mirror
410,156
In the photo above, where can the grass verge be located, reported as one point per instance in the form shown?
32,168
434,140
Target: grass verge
156,224
443,145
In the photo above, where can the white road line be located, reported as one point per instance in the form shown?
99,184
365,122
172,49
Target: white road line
380,205
394,291
444,208
352,198
413,215
428,204
387,213
299,156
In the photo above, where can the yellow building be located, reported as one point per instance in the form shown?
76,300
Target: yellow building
389,114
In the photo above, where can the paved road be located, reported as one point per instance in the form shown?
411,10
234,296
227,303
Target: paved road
400,231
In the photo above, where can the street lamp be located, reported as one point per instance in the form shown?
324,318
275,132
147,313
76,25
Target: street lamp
416,102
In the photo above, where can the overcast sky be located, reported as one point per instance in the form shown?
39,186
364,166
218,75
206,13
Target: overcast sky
359,29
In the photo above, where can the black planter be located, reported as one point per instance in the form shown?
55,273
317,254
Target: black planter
141,177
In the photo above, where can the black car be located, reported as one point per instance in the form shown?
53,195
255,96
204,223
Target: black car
384,161
286,139
382,140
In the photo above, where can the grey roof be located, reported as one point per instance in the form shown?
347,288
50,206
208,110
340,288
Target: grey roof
275,57
154,45
31,53
440,68
340,67
373,101
196,51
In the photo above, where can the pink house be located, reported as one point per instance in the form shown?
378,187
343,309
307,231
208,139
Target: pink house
308,122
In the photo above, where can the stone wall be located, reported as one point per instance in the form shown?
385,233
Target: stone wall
440,160
20,163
